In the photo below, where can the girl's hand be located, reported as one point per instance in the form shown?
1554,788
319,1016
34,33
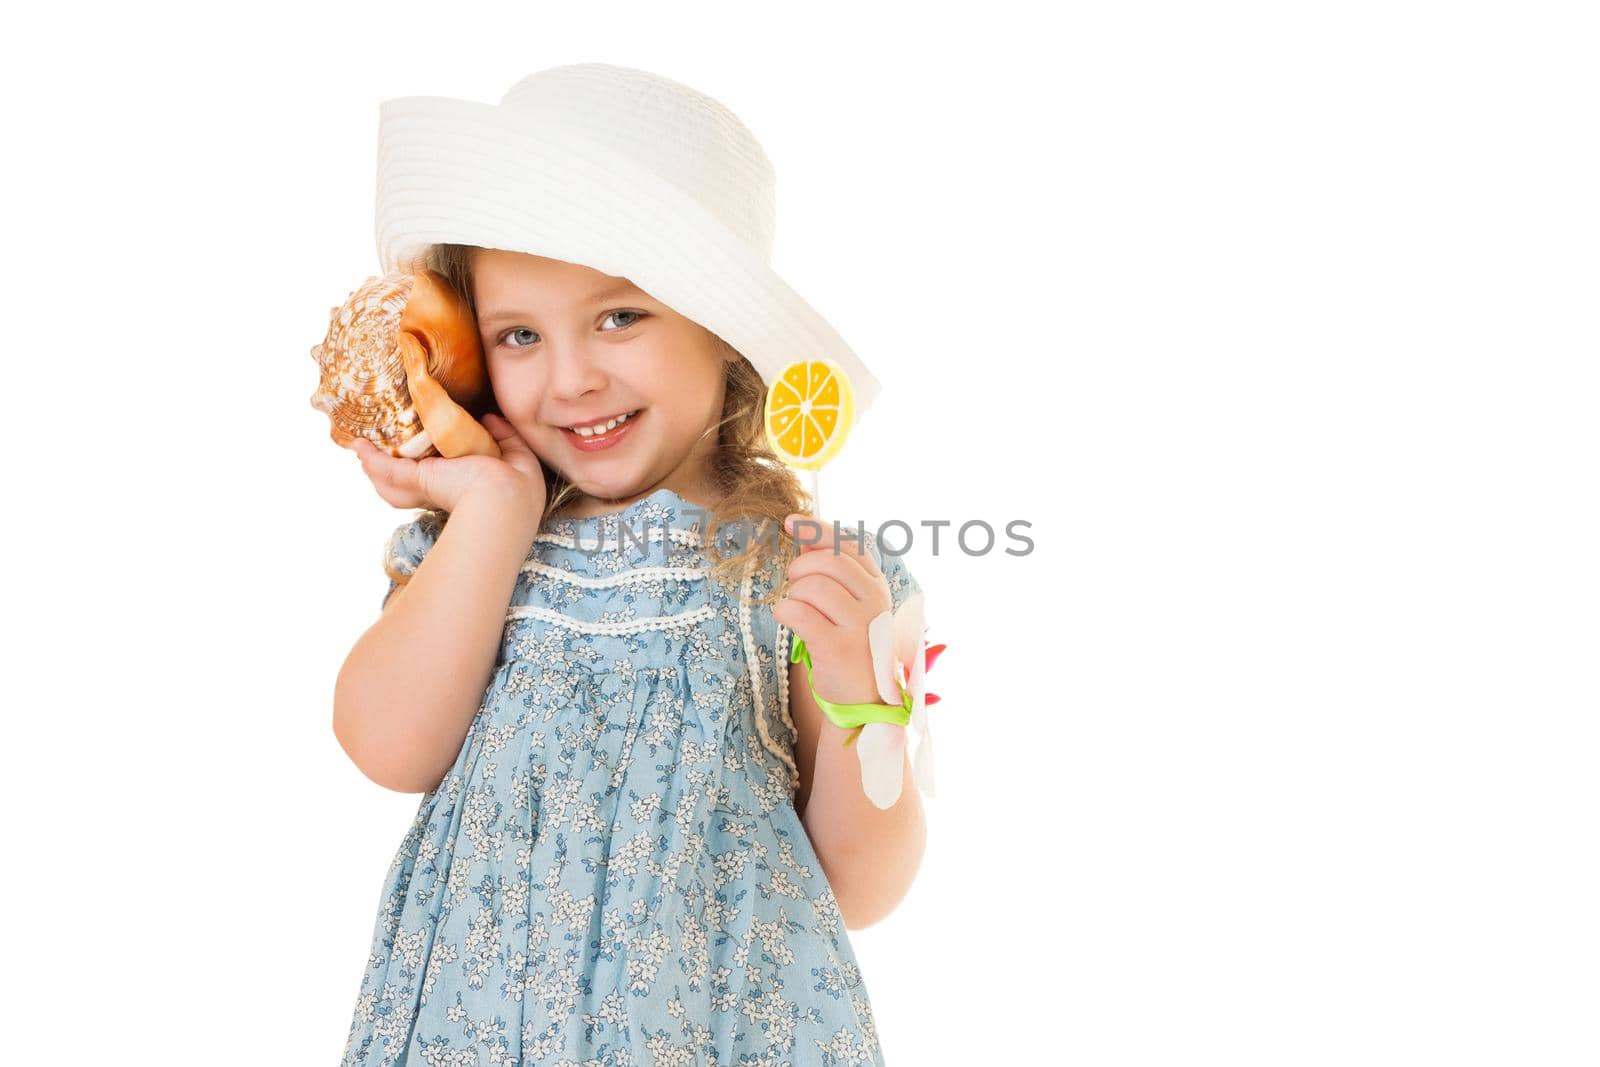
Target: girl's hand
836,589
440,482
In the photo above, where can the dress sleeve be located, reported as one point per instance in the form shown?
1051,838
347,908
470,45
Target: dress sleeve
407,546
901,581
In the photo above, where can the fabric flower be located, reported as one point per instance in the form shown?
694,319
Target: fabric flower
901,659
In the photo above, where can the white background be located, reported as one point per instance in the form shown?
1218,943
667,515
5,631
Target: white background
1276,321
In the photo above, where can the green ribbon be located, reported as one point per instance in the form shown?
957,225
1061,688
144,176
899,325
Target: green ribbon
849,716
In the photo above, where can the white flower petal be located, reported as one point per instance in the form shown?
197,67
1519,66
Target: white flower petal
881,747
881,637
908,629
922,762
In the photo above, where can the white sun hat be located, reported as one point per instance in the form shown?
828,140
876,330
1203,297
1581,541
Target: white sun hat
621,170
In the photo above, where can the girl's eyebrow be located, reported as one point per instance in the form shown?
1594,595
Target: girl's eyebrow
605,292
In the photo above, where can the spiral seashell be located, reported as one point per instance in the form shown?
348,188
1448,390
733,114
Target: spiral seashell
402,366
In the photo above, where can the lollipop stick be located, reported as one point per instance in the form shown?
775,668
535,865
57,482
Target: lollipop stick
816,499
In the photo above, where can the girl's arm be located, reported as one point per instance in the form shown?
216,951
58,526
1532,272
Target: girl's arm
869,854
410,687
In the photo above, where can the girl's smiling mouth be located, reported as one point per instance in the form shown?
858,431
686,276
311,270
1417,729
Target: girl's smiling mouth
601,433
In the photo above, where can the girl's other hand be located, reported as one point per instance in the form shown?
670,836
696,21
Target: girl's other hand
836,589
441,483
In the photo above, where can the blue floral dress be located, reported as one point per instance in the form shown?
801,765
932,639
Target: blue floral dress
612,873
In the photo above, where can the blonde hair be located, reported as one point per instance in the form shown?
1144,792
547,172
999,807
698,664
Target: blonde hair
749,482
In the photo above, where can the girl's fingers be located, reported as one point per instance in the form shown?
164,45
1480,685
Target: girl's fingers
843,569
393,478
830,599
420,475
814,535
514,449
806,621
505,434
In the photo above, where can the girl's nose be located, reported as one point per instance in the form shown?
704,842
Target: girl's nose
573,371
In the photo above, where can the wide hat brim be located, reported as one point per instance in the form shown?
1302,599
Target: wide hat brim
465,172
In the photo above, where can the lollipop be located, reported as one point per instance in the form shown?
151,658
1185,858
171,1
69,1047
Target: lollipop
400,359
810,407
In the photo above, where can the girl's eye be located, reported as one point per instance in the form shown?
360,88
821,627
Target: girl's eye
637,315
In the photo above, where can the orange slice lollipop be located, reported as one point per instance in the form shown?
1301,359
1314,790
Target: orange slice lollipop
810,407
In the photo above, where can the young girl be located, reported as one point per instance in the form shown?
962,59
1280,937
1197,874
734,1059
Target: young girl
640,840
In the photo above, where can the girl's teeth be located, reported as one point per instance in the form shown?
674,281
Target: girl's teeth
590,431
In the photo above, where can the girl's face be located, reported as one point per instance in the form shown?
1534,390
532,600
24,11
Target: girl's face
570,346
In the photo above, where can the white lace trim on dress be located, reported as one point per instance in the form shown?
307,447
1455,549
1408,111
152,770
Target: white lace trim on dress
630,577
629,626
653,534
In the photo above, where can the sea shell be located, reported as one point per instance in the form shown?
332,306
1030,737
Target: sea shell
403,367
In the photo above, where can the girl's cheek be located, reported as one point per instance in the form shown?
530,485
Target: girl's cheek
516,393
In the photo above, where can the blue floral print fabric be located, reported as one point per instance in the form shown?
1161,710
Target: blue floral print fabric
612,872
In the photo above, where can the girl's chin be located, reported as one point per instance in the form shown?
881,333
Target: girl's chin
591,482
603,492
